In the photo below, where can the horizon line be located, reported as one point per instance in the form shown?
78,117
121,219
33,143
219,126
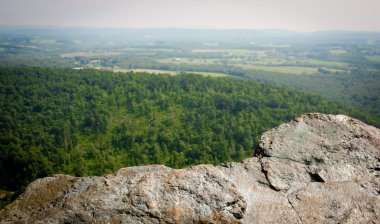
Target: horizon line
2,26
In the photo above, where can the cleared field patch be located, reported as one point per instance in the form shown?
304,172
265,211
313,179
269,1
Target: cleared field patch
2,49
224,61
210,74
260,53
338,52
236,52
297,70
189,61
270,61
274,60
276,45
43,41
373,58
88,54
75,54
335,70
147,50
325,63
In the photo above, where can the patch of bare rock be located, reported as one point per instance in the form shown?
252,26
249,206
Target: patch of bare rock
316,169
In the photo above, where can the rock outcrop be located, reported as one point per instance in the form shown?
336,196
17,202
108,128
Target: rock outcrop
315,169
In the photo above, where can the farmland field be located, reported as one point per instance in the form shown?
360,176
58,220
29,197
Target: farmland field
43,41
236,52
374,58
190,61
324,63
88,54
209,74
152,54
296,70
147,49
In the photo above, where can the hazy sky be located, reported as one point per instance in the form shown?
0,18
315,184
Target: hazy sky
297,15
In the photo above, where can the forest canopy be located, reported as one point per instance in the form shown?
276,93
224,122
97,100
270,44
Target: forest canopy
92,122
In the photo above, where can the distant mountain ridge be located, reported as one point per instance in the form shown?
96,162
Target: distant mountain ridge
194,34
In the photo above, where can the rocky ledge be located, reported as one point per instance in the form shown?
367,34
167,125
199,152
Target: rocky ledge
316,169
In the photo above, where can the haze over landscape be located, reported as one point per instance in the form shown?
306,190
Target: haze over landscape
295,15
90,87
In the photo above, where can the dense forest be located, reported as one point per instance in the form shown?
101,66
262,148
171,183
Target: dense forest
359,88
87,122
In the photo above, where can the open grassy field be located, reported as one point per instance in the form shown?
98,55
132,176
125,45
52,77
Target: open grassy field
146,50
277,60
230,61
374,58
333,70
297,70
210,74
89,54
325,63
259,58
265,64
190,61
43,41
338,52
236,52
270,61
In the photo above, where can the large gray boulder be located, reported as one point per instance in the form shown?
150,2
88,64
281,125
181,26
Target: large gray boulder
316,169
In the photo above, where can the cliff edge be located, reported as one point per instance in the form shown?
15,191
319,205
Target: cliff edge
316,169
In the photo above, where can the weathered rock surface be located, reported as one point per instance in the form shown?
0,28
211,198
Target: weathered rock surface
316,169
